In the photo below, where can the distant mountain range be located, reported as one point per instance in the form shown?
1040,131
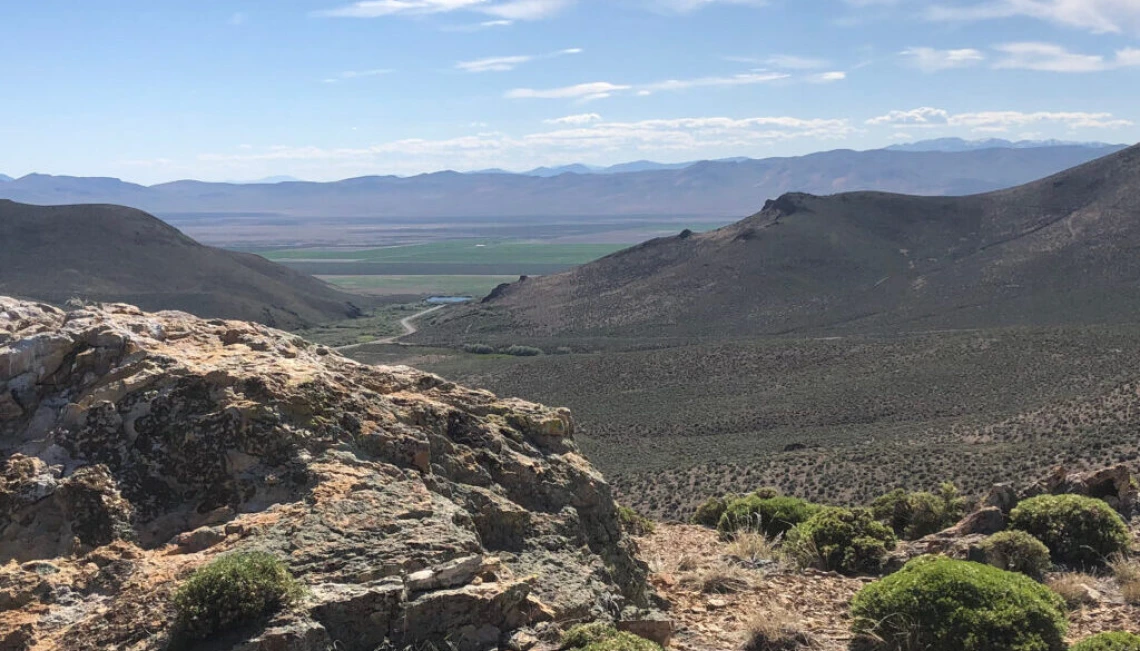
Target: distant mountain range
112,253
710,188
1058,251
5,177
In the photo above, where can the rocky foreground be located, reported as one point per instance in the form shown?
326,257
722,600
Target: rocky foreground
136,447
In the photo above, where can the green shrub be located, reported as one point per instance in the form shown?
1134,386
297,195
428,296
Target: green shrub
584,635
774,516
1017,551
914,515
939,604
1109,642
843,540
709,512
767,492
478,349
232,590
604,637
1078,530
634,523
523,351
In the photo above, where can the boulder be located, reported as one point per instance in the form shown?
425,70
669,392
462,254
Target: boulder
136,447
1114,485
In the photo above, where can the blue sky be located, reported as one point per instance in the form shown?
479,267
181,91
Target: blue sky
326,89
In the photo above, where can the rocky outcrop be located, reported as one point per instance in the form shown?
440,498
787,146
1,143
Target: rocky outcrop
1113,485
136,447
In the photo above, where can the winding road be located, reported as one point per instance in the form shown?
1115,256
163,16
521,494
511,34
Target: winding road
408,323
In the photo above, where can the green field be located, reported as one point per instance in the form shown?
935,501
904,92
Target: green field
458,252
476,286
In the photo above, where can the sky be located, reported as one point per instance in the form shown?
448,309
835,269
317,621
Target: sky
328,89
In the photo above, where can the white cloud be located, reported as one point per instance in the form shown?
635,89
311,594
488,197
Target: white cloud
686,6
582,118
995,121
357,74
503,64
478,27
1048,57
929,59
683,137
594,90
744,79
783,62
507,10
827,77
1099,16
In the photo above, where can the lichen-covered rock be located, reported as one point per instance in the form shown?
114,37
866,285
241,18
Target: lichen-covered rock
135,447
1114,485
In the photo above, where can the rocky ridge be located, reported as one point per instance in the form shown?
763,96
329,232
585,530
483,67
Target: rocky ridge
137,447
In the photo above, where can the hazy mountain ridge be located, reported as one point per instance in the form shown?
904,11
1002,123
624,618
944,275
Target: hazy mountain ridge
711,188
112,253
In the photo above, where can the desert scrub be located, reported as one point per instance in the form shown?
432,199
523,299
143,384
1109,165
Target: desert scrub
1079,531
844,540
1017,551
634,523
1126,570
939,604
478,349
709,512
604,637
773,516
232,590
777,629
914,515
1118,641
523,351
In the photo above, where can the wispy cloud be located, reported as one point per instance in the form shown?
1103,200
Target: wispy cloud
478,27
1048,57
508,10
929,59
995,121
827,77
686,6
505,63
581,118
356,74
1099,16
783,62
601,90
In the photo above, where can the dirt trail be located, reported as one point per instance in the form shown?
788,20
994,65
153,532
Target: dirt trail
408,323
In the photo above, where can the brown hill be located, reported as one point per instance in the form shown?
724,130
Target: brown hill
112,253
1057,251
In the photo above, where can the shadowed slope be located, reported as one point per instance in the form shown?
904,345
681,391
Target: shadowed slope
112,253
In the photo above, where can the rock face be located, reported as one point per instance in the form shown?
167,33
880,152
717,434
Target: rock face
1113,485
135,447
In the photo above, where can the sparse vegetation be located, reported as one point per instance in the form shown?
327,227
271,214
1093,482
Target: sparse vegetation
523,351
1076,588
777,629
1116,641
1079,531
939,604
479,349
1017,551
773,516
709,512
844,540
722,578
914,515
1126,570
232,590
633,522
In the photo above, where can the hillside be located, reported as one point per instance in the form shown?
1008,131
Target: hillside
710,188
1056,251
112,253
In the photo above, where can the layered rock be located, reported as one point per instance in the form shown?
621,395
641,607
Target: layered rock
136,447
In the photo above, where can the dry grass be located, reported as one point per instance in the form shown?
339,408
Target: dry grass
1076,588
754,546
1127,573
721,578
777,629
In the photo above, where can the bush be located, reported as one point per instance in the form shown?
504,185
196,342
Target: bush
1109,642
604,637
767,492
232,590
843,540
478,349
709,512
939,604
1078,530
773,515
914,515
1017,551
634,523
523,351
